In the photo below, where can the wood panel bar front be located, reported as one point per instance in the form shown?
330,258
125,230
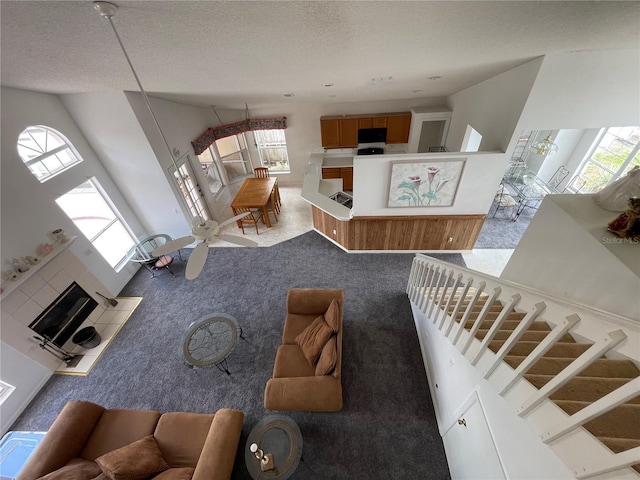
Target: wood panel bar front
416,232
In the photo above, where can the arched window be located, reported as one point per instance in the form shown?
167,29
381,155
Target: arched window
46,152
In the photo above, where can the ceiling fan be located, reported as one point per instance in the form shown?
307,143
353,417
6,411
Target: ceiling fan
205,231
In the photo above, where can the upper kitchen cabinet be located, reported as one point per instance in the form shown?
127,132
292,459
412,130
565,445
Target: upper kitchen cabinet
342,131
372,122
398,128
339,132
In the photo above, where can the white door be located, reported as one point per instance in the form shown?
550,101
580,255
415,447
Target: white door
187,185
471,452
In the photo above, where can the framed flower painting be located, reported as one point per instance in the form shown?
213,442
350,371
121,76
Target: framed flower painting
424,184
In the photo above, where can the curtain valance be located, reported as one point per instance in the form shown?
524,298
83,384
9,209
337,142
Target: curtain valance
201,143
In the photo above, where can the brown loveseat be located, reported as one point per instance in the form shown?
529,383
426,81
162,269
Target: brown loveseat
296,383
197,444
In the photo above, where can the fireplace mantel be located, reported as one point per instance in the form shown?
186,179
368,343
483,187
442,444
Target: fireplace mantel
58,247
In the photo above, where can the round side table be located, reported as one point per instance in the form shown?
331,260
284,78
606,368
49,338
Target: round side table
210,340
280,436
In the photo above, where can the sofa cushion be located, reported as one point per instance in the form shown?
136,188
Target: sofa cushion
290,362
76,469
182,473
137,461
117,428
331,316
313,339
181,435
328,357
294,325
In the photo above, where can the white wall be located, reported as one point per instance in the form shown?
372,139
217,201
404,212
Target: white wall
111,127
492,108
584,90
480,179
26,375
566,251
29,210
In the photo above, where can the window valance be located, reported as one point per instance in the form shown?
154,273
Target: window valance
203,142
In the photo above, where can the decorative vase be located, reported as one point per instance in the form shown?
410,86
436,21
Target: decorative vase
45,249
58,235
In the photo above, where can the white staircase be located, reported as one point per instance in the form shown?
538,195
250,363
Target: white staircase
524,384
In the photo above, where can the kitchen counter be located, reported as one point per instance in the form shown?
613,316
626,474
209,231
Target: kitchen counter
316,191
335,162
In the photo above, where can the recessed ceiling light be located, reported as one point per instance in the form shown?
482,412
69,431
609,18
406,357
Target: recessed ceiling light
289,95
328,84
435,77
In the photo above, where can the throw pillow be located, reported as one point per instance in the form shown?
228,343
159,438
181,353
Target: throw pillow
137,461
328,357
76,469
331,316
313,338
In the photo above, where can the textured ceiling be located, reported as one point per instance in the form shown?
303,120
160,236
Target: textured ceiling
228,53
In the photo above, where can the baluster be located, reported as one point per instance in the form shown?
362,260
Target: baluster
445,288
543,347
483,314
456,309
467,313
583,361
435,293
506,311
454,290
610,401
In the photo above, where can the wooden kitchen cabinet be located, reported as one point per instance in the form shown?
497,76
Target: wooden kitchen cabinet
342,132
345,173
398,128
339,132
372,122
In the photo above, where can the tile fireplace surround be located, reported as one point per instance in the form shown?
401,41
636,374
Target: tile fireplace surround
22,304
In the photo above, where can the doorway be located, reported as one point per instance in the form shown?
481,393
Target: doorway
188,188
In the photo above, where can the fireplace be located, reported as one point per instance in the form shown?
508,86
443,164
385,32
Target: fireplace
59,321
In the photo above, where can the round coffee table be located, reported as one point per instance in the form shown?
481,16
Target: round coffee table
280,436
210,340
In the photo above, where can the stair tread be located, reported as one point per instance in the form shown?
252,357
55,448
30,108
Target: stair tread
602,367
581,388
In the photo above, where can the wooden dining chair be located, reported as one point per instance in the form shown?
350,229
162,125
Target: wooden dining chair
272,205
261,172
249,219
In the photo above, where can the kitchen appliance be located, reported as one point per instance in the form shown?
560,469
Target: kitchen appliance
372,135
371,151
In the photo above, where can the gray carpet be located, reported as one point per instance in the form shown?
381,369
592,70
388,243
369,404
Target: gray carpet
501,231
387,429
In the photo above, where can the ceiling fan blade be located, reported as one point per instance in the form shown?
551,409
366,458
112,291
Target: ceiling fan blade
196,261
245,242
172,246
233,219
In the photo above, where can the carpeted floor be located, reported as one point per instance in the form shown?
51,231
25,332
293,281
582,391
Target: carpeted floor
387,429
501,231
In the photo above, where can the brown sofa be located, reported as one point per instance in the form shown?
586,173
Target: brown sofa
295,384
203,445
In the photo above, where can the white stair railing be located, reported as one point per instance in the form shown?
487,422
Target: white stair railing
436,287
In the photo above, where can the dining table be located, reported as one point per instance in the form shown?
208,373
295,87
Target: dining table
255,193
529,190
